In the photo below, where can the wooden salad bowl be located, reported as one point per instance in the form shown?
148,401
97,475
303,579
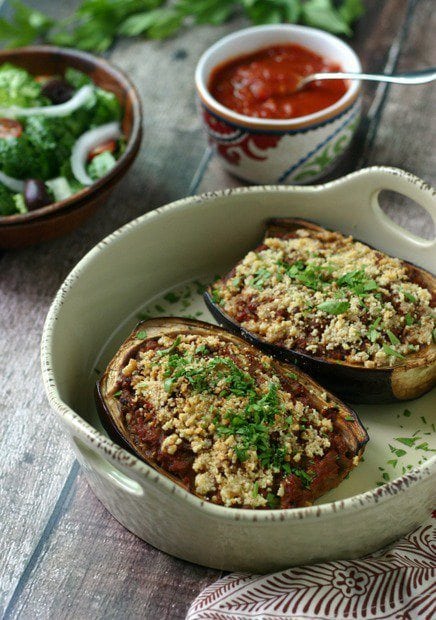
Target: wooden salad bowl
56,219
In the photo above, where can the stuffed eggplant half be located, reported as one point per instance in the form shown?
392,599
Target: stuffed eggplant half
229,423
354,318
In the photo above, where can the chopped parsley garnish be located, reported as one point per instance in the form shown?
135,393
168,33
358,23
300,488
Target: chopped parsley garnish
171,297
349,418
334,307
216,297
372,330
200,287
117,394
407,413
292,375
273,500
409,297
141,335
170,349
399,452
409,319
260,277
389,351
255,492
308,274
407,441
168,385
358,283
252,425
392,337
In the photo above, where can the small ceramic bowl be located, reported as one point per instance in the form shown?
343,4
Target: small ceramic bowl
298,150
179,248
58,218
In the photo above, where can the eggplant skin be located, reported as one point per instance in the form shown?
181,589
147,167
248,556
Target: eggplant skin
347,439
352,382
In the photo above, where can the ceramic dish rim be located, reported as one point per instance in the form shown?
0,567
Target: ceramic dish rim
132,145
115,453
309,120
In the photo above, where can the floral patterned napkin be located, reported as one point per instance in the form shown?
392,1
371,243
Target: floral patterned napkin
397,582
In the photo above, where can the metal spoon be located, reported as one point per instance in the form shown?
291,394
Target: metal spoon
411,77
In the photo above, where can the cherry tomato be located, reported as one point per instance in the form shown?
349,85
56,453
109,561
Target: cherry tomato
10,128
110,146
42,79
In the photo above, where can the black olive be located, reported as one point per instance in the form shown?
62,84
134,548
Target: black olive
57,90
35,194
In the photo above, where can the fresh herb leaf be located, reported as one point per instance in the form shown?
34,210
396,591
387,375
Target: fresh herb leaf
334,307
118,393
322,14
349,418
170,349
168,385
216,297
407,441
255,492
26,25
409,297
351,10
409,319
407,413
141,335
392,337
260,277
171,297
389,351
292,375
96,24
273,500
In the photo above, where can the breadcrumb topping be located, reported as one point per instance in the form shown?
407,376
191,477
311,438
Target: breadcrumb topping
330,296
240,421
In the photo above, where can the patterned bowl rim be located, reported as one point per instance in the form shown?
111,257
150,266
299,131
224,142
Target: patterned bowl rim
119,457
315,119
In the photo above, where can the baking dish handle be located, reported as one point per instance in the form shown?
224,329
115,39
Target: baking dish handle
393,179
92,461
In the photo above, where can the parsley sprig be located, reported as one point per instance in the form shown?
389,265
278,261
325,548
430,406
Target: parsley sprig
96,24
251,426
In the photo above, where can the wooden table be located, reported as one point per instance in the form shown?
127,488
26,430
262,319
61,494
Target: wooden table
62,555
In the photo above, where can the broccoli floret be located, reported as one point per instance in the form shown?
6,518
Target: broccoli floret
19,88
19,159
40,150
7,202
103,107
77,78
106,109
79,121
51,136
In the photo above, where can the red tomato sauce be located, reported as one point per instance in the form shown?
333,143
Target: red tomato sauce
261,84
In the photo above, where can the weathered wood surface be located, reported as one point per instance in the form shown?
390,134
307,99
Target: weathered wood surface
63,555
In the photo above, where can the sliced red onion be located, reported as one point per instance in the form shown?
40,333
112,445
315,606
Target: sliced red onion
15,185
87,141
62,109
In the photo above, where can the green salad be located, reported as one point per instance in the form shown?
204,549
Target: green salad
58,134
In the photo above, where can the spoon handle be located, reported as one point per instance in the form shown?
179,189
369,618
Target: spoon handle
411,77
